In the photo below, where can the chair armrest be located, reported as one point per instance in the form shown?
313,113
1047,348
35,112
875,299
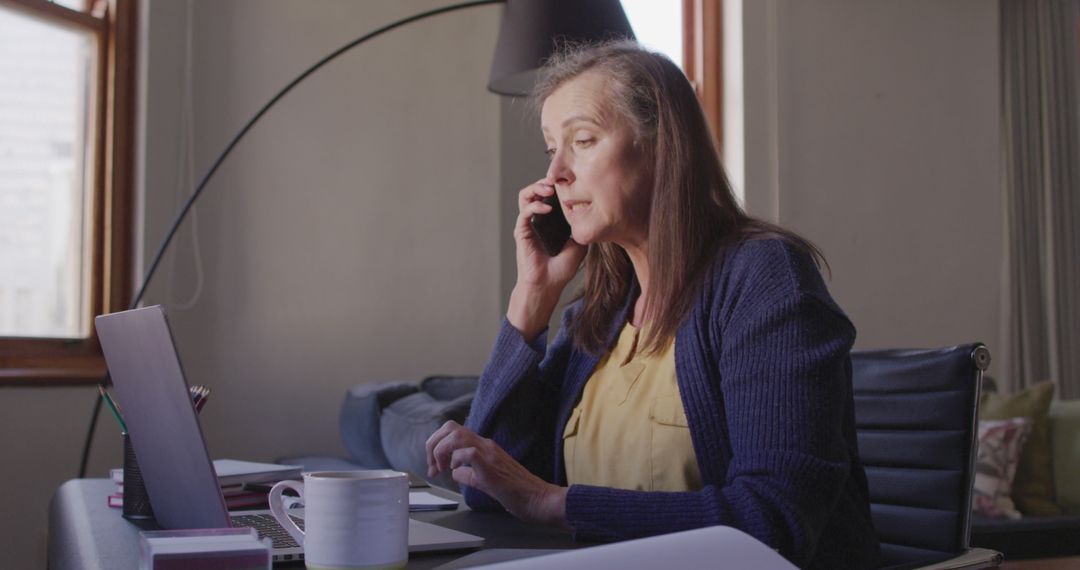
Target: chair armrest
973,558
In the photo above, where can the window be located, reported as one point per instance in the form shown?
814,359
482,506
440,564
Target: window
46,153
702,49
690,34
66,82
657,26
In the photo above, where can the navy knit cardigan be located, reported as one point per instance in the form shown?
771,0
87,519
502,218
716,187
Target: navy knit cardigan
764,372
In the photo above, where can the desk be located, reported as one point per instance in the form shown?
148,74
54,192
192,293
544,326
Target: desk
1071,562
84,533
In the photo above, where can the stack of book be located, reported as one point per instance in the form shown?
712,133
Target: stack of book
209,549
244,484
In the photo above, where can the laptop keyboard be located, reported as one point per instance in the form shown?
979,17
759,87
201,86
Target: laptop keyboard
267,526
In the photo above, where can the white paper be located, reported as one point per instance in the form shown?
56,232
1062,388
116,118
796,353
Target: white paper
712,547
233,472
424,501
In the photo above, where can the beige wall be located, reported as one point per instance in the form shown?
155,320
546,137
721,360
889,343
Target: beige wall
872,128
43,431
352,236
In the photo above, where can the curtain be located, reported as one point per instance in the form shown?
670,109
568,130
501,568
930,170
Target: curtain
1040,62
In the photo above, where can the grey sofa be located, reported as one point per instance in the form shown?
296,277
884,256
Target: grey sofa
384,425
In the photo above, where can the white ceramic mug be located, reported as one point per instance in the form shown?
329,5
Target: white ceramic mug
352,519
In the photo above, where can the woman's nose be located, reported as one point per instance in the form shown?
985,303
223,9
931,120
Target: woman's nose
559,171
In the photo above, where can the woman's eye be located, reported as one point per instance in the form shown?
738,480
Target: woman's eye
584,142
550,153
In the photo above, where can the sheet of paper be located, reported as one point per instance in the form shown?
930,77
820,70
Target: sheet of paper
713,547
425,501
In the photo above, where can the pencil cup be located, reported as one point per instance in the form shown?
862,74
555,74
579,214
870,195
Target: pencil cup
136,499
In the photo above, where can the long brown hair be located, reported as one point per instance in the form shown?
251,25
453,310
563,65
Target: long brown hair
693,209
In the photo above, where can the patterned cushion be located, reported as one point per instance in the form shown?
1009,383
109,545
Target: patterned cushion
1033,489
1000,445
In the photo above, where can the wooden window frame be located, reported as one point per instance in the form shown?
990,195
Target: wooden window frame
703,63
55,362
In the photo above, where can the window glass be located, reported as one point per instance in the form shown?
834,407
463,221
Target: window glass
79,5
46,79
657,25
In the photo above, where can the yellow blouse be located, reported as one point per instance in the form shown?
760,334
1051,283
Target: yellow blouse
629,430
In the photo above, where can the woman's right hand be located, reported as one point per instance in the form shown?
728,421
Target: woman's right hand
540,277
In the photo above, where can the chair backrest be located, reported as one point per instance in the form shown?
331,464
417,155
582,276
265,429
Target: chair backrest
915,418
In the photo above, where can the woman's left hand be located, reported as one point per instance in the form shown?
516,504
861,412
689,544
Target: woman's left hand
480,463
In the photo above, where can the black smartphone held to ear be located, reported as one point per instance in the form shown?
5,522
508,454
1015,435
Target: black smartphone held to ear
552,228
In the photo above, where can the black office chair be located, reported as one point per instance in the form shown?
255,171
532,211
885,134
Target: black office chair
916,414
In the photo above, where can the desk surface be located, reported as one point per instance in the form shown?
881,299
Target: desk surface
84,533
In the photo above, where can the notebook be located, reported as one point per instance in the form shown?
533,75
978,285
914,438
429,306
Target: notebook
164,430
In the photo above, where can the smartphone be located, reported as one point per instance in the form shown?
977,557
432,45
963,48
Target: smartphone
552,228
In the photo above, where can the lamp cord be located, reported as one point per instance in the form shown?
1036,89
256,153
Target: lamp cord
185,174
221,158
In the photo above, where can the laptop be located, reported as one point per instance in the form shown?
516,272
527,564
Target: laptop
164,430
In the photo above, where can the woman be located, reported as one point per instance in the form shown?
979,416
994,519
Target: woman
703,376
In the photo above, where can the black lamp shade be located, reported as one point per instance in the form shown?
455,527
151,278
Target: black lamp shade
531,28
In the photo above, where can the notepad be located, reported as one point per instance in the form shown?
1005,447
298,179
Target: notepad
420,501
233,472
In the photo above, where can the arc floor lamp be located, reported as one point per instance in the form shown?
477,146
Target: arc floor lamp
528,34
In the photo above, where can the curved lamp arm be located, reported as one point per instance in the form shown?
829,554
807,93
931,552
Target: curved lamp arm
165,241
251,122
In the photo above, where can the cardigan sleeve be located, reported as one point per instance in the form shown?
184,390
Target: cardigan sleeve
516,402
785,380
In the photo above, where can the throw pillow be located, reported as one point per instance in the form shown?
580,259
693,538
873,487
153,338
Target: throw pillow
1033,490
1065,422
360,414
449,387
406,425
1000,444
